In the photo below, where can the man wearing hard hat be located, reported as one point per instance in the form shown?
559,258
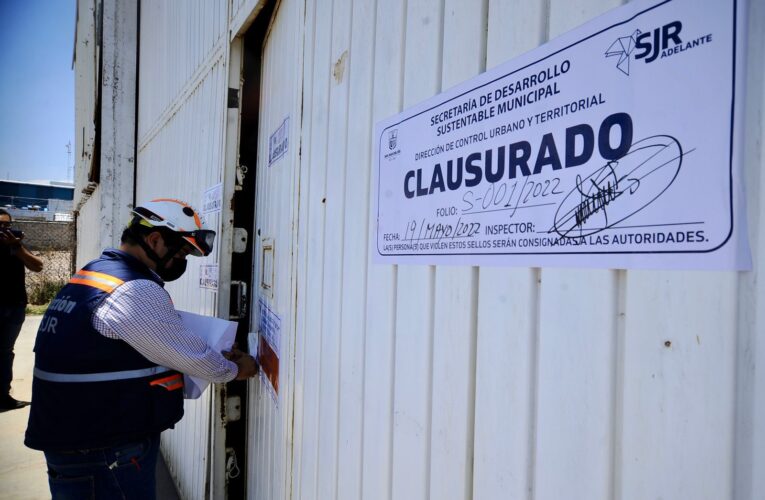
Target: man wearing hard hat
109,359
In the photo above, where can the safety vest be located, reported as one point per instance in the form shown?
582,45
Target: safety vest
90,391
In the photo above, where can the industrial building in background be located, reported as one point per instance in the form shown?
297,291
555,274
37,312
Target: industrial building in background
37,200
409,380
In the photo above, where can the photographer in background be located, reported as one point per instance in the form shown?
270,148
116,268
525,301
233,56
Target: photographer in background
14,257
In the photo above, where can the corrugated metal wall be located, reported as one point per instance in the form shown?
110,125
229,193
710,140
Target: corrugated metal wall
181,119
457,382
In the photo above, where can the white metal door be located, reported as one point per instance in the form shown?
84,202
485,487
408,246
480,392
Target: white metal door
274,240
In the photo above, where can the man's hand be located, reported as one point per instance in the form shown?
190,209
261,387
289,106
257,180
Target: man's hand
8,239
234,354
31,261
248,366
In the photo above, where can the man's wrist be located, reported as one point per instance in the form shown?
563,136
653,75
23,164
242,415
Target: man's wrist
233,368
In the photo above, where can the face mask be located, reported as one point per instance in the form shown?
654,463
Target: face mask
177,266
175,271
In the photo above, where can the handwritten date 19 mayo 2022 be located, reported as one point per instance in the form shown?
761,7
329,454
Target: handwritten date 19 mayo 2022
428,230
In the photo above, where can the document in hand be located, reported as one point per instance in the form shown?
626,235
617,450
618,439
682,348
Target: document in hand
218,333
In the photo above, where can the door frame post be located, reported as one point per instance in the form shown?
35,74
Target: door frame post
231,158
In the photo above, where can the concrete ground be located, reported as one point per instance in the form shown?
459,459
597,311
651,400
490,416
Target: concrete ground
22,471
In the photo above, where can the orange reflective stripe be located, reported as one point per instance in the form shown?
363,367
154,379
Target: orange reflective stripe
166,379
94,284
170,383
102,281
106,277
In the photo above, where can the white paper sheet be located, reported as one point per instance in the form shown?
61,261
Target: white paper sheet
218,333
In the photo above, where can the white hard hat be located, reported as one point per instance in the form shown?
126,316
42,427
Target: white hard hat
179,217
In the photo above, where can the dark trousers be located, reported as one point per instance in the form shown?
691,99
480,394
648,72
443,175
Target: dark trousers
127,471
11,319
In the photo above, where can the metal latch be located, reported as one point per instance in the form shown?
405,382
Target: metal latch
240,240
241,172
233,408
238,304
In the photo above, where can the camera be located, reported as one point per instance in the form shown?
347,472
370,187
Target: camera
15,232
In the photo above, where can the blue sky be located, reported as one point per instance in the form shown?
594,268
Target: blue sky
36,88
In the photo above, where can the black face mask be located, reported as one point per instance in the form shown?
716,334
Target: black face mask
175,271
177,267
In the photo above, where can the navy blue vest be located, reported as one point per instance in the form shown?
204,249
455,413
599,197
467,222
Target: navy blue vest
90,391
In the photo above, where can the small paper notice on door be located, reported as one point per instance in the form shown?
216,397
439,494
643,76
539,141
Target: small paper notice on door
218,333
212,199
278,142
208,276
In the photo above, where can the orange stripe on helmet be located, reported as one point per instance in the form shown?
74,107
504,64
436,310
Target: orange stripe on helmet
197,220
171,199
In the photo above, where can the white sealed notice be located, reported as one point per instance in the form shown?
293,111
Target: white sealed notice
278,142
208,276
212,199
615,145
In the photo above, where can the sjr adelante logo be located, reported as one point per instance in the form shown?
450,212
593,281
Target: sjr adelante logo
659,43
623,48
